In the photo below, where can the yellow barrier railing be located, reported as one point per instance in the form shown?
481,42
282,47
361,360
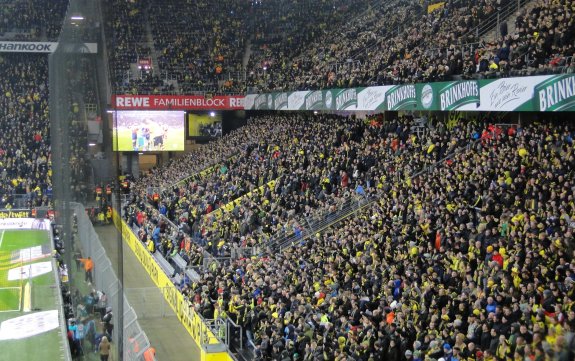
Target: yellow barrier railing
198,175
228,207
191,320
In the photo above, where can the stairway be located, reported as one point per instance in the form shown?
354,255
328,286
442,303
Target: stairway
247,54
150,45
508,15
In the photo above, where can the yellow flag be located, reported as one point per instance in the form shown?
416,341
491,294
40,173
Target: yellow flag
431,8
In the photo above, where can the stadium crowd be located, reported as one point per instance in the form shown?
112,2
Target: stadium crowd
475,265
25,154
25,157
125,22
429,47
282,171
311,45
31,20
283,29
203,51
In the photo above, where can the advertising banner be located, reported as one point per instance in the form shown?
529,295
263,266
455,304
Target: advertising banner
555,94
177,102
334,99
38,47
401,97
507,94
15,213
27,47
544,93
447,96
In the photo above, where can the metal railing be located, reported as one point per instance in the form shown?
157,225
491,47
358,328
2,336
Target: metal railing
351,205
493,22
105,279
196,175
149,308
234,336
245,252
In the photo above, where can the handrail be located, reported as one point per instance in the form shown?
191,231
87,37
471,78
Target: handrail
184,180
349,208
493,21
209,259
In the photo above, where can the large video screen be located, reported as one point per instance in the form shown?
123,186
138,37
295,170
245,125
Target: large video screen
205,125
149,131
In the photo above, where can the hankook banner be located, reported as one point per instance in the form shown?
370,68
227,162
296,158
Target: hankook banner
40,47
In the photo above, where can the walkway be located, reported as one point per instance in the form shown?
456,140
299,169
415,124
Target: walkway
166,334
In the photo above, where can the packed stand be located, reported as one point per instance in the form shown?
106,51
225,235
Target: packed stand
148,83
327,53
380,54
428,47
308,45
31,20
203,49
542,43
282,28
199,159
307,182
24,155
276,148
476,266
126,40
279,173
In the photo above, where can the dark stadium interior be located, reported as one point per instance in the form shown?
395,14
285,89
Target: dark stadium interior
369,235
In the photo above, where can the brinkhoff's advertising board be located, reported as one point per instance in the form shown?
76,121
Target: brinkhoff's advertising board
545,93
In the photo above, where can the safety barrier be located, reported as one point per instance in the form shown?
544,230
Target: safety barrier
228,207
211,348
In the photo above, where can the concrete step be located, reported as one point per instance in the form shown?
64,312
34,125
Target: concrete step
247,53
494,34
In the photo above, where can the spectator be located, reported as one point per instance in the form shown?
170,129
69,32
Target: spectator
88,268
104,349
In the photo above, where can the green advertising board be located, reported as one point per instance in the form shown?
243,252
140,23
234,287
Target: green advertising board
545,93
